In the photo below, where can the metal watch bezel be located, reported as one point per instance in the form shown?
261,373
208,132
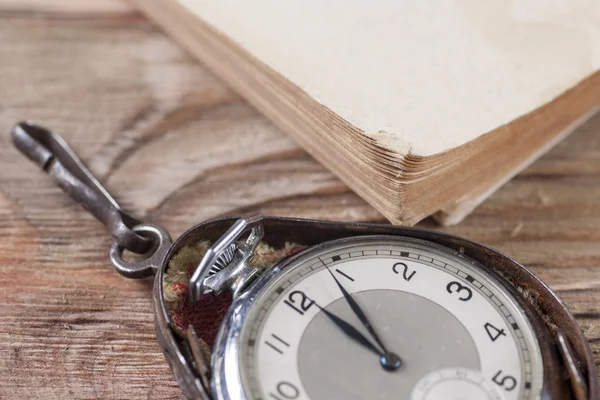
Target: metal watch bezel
226,382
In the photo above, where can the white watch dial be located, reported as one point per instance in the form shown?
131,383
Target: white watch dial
433,309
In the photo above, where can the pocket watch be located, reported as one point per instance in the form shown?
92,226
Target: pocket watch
261,308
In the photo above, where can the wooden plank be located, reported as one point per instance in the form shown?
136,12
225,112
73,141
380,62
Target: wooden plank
175,146
67,7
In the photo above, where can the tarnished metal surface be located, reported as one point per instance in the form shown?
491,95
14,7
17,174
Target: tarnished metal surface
57,159
239,274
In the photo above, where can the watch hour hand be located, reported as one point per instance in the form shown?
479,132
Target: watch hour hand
350,331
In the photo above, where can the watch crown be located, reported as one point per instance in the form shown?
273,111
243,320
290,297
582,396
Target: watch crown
224,264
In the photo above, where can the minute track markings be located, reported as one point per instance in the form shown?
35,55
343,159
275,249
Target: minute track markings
426,260
478,286
447,267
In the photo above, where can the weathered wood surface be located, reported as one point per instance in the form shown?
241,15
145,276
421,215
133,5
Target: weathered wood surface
175,146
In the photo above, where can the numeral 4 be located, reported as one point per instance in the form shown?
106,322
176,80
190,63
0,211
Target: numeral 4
493,332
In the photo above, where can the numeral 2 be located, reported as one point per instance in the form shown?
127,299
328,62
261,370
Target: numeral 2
404,272
299,302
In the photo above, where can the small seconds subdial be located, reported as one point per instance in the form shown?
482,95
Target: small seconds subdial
432,309
455,384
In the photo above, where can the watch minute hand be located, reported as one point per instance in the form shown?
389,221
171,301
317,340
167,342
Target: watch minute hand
358,311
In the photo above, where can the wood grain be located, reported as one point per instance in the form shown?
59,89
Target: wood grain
175,146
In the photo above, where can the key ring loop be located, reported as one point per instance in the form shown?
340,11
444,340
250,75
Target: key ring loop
147,267
57,159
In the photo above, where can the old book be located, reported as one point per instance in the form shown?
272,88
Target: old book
420,107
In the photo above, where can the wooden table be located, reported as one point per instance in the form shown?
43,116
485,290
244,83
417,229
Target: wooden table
175,146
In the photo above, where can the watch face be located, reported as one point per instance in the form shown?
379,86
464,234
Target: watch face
386,318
